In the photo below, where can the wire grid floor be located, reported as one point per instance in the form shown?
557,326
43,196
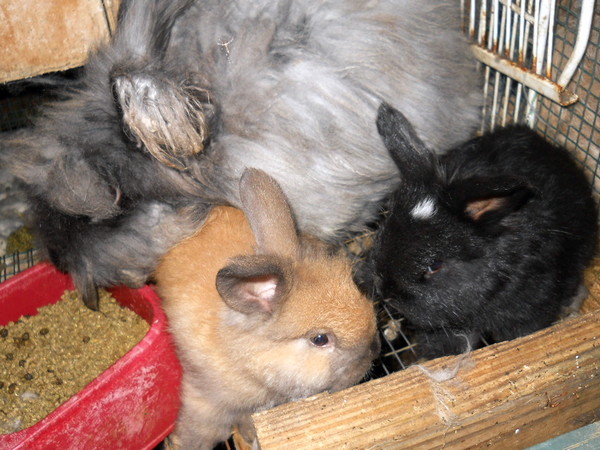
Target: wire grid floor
576,127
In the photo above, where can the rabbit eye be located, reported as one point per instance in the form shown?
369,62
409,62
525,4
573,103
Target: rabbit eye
435,267
320,340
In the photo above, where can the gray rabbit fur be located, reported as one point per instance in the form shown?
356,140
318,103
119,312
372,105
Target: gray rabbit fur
191,92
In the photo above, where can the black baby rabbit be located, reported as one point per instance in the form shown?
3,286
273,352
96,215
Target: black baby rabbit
487,241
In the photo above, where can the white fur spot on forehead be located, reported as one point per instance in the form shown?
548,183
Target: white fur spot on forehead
424,209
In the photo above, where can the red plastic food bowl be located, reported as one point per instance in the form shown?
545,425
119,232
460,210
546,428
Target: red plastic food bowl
131,405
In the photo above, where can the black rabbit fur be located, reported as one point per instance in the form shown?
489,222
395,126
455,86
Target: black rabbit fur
488,241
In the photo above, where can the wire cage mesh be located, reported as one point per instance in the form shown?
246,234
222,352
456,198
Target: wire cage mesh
15,263
541,64
553,48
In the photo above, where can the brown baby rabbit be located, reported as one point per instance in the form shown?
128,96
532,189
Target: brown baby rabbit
260,316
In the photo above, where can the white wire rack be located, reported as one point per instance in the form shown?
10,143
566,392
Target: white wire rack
515,39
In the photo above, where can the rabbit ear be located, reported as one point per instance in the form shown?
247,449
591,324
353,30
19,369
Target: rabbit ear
269,214
167,113
83,278
170,119
488,200
407,150
253,284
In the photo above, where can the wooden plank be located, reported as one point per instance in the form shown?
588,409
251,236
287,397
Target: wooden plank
512,395
45,36
592,281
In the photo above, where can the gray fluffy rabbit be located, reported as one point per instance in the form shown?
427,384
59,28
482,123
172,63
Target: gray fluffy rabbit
191,92
487,241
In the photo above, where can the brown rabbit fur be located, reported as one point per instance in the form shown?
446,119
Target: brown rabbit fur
283,321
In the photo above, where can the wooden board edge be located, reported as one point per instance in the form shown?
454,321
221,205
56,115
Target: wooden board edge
517,393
